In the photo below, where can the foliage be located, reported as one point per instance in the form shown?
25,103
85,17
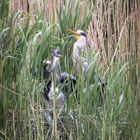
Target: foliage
26,40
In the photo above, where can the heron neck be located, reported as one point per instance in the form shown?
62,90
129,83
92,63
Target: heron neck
76,55
56,69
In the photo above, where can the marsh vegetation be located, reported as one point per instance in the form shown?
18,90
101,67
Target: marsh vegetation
29,31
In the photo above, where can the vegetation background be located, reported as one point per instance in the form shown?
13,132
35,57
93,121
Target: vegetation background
29,29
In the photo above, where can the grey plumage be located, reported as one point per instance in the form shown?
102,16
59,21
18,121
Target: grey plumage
58,78
80,58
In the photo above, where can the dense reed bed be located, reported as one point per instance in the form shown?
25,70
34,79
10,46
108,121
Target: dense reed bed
28,32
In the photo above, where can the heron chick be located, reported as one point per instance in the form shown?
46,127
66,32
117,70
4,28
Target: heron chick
58,79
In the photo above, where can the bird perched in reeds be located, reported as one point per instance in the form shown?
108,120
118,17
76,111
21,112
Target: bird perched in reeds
80,56
58,83
79,50
80,53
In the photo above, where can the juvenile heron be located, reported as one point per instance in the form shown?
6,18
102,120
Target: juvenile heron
60,83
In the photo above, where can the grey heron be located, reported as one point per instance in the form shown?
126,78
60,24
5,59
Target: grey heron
80,57
56,79
79,50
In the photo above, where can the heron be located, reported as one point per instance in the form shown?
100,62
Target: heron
59,83
79,51
80,57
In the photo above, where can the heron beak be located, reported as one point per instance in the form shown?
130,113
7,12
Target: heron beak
77,35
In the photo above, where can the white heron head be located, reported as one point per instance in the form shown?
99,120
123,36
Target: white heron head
81,39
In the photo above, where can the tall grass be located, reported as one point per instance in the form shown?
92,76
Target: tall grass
27,37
